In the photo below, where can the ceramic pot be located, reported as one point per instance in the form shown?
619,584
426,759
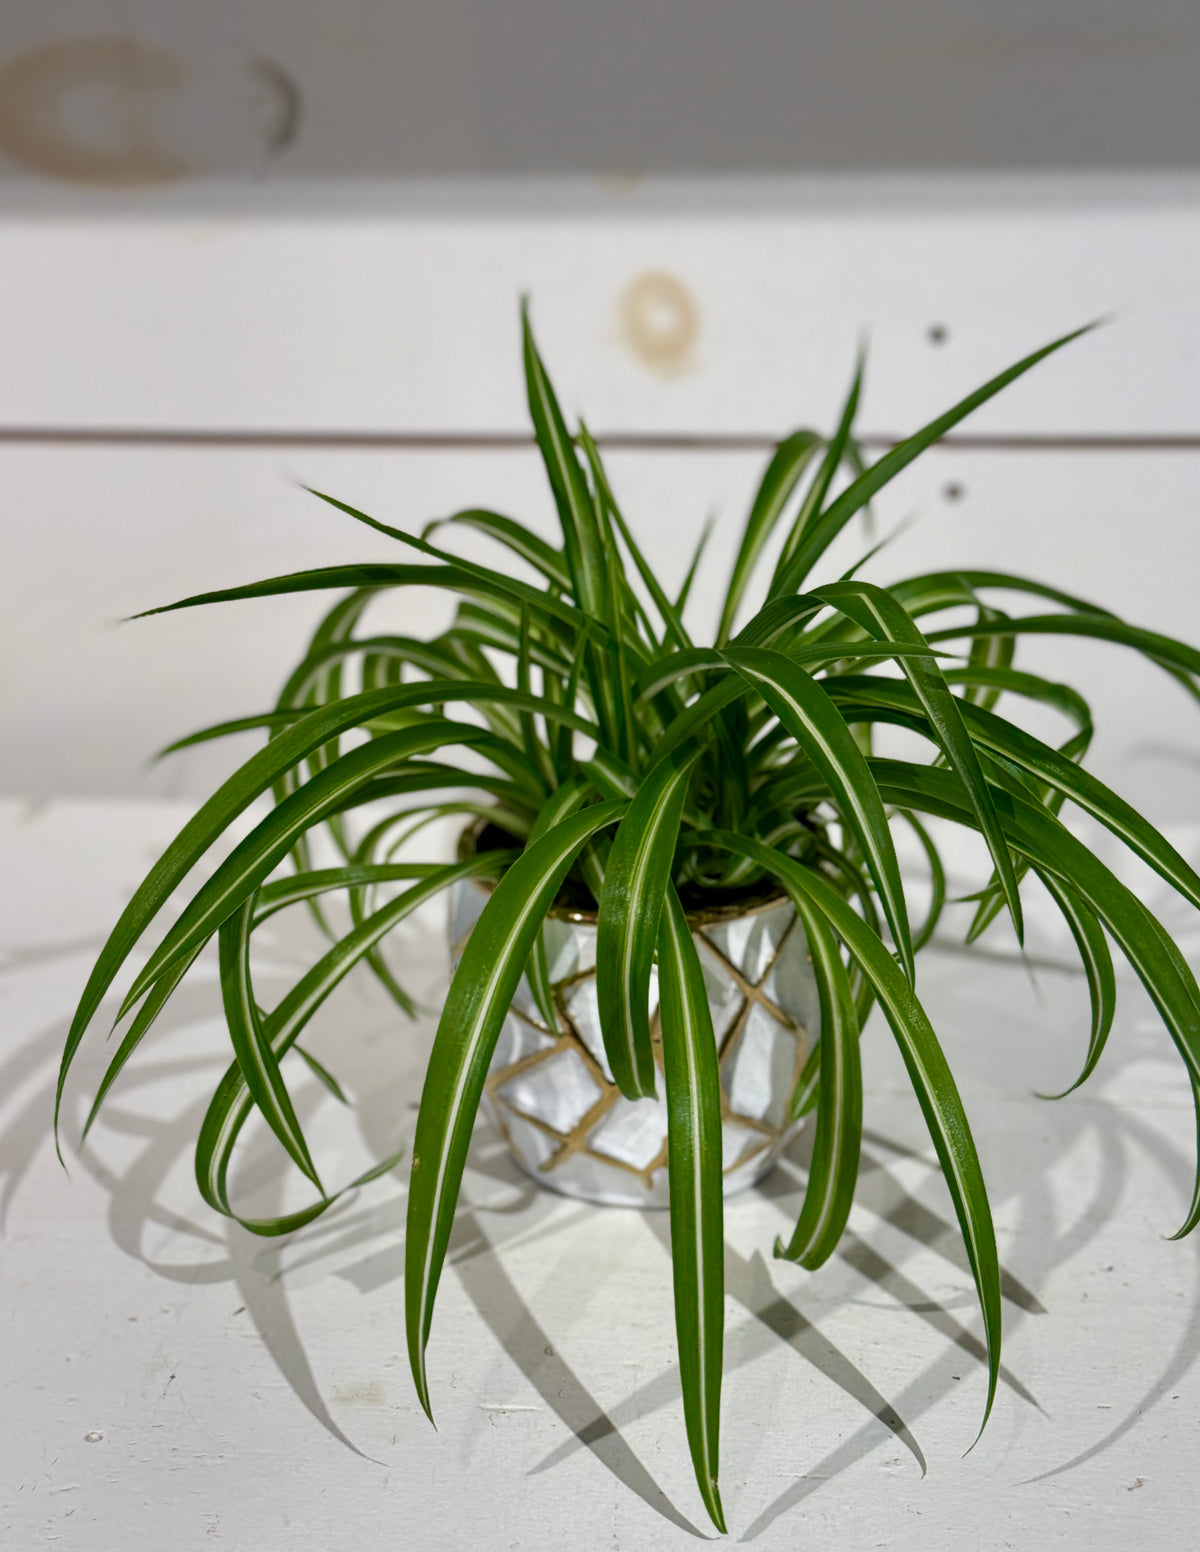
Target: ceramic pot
550,1091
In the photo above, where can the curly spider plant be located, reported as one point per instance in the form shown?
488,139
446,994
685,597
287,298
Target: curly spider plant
647,775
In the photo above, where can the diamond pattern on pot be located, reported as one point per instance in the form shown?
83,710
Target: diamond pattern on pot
569,952
761,1067
519,1040
749,943
632,1133
725,997
558,1091
531,1145
738,1142
553,1095
466,907
583,1009
525,1004
790,983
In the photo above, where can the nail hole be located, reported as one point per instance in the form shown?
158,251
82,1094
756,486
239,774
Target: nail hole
937,333
953,491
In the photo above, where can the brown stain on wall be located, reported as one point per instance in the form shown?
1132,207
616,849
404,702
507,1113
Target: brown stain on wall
83,111
660,321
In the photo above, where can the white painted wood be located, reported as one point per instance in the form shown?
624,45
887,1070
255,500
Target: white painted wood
169,1382
383,307
94,534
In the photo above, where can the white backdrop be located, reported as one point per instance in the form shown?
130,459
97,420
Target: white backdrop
175,371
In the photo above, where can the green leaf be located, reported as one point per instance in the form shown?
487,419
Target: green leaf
160,994
685,589
323,1074
1051,767
836,1147
813,720
667,611
831,522
232,798
232,1104
874,610
693,1086
514,536
493,960
631,903
840,448
1097,965
252,1050
1052,848
937,879
564,801
458,577
269,842
927,1067
1176,656
787,465
283,892
581,534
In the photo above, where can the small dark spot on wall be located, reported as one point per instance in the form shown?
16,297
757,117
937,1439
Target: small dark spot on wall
278,102
937,333
953,491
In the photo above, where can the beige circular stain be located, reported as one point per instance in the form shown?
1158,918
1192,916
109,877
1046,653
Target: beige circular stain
661,321
84,111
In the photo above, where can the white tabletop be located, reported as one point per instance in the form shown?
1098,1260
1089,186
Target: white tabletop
168,1380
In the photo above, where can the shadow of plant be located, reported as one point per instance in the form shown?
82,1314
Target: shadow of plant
138,1153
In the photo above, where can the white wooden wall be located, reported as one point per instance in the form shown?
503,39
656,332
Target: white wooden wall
172,371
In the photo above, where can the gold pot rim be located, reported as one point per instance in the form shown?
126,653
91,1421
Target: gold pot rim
753,903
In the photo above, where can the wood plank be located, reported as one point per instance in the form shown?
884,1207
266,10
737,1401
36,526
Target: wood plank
690,310
99,533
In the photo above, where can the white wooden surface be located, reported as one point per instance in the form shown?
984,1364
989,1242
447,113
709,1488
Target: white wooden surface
397,317
167,1381
199,318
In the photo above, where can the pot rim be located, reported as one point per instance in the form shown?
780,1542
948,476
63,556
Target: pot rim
752,904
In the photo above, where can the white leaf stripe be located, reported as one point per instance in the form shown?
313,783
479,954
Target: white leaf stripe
479,996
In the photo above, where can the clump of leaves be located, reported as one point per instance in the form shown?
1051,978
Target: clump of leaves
639,772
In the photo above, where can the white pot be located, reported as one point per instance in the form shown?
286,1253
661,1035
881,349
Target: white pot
550,1091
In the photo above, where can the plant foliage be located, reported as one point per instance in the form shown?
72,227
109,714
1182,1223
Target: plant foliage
647,774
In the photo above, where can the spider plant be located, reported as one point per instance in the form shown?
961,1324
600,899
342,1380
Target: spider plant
620,763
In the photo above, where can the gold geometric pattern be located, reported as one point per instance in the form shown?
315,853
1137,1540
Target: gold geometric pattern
551,1092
